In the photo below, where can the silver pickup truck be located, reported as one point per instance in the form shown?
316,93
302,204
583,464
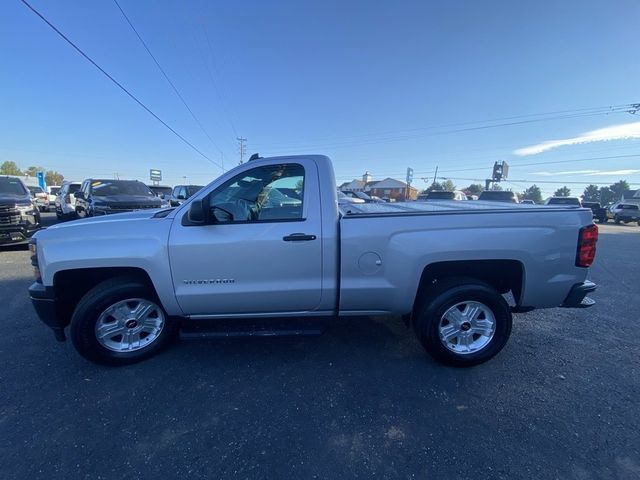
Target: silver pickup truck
268,240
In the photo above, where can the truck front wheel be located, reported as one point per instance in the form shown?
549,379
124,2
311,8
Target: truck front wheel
120,321
463,322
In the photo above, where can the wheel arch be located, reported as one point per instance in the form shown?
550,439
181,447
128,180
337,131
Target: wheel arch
73,284
503,275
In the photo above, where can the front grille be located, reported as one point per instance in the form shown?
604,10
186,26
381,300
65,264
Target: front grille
9,215
130,207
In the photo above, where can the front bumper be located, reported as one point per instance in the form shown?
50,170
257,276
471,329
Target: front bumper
20,233
46,305
577,297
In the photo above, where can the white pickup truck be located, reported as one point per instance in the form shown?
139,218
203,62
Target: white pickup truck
268,240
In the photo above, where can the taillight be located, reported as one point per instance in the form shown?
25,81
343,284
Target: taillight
587,246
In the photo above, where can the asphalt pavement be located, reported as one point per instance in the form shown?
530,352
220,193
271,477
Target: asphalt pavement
363,400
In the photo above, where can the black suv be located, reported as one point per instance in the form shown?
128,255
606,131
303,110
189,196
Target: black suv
104,197
182,192
599,213
19,217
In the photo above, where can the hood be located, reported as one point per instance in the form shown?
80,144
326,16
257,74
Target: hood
107,221
128,199
7,198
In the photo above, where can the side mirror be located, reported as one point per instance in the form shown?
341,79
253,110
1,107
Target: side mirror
161,196
181,197
197,212
79,195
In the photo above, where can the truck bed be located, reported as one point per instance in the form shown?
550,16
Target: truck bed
442,206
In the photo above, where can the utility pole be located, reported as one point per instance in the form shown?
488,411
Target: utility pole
243,148
435,175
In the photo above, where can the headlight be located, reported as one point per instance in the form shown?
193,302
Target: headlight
26,209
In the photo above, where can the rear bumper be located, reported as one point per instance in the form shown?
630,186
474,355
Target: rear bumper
46,305
577,297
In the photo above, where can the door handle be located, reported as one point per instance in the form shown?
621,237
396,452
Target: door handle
298,237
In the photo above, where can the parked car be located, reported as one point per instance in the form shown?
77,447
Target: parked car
40,198
104,197
365,197
19,216
182,193
161,191
65,204
52,193
442,195
344,199
526,201
599,213
563,201
621,212
499,196
126,284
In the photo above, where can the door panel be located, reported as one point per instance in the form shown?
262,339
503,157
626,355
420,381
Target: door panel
247,266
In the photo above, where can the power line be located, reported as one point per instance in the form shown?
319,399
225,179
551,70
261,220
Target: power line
627,108
118,84
487,168
175,89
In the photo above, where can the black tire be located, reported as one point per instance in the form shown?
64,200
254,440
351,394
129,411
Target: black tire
94,302
444,295
616,220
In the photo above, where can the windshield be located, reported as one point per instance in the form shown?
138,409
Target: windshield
35,190
161,190
11,186
103,188
193,189
55,190
564,201
74,187
441,196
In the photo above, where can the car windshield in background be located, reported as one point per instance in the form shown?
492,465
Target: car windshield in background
35,190
564,201
193,189
161,190
54,191
441,196
104,188
11,186
73,188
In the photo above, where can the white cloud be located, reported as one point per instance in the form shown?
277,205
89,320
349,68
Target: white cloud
573,172
625,131
614,172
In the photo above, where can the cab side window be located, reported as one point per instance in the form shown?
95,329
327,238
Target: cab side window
269,193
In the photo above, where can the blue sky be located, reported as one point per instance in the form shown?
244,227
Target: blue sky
362,82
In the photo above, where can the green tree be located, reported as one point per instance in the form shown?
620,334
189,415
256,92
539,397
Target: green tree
618,189
55,178
439,186
591,193
562,192
9,168
607,196
533,193
475,189
496,187
32,171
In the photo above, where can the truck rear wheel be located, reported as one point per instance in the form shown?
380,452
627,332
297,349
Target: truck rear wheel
463,322
120,321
